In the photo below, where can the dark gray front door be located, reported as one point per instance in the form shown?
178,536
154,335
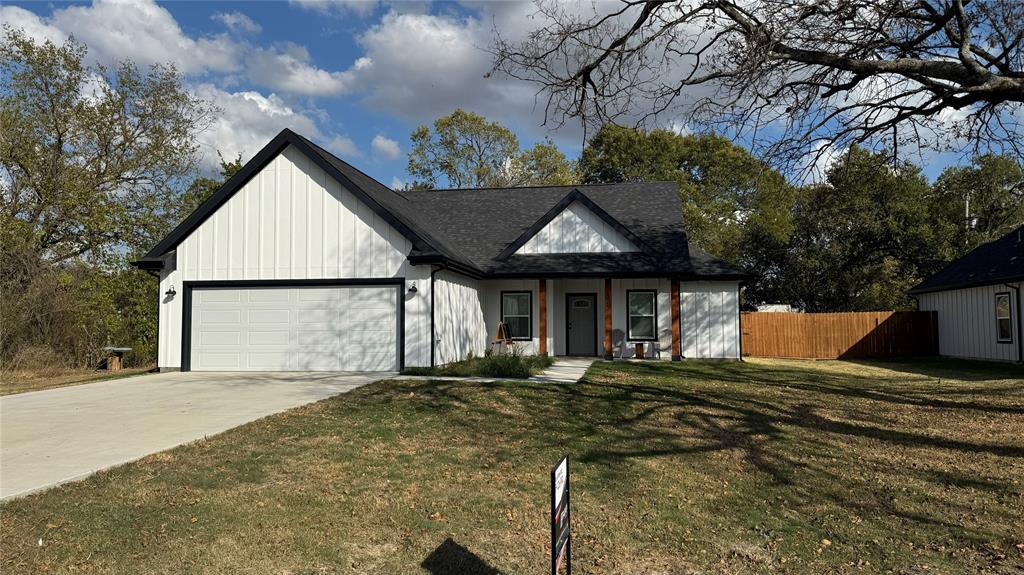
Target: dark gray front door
581,324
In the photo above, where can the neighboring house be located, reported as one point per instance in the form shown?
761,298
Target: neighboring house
977,299
302,262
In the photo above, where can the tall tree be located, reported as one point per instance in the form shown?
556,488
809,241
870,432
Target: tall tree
203,187
985,199
734,205
91,158
91,165
801,76
865,237
465,150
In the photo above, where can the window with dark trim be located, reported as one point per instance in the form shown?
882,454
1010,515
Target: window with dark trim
642,315
1004,323
517,314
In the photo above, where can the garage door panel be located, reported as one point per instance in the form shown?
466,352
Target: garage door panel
338,328
219,360
214,338
275,338
272,316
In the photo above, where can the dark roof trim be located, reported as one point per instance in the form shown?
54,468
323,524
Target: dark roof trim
149,264
446,263
285,138
573,196
625,274
965,285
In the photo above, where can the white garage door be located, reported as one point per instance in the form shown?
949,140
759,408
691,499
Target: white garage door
295,329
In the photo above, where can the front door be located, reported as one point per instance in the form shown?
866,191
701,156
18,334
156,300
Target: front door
581,324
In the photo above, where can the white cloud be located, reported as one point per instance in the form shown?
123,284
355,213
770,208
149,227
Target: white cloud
397,183
238,22
248,120
32,25
343,147
146,33
421,66
287,68
339,7
384,147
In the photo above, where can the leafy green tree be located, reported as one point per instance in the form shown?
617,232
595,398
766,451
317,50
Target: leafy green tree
203,187
91,165
91,157
465,150
734,205
985,199
865,237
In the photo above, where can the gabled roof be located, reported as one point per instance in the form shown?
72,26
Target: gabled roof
478,231
992,263
574,196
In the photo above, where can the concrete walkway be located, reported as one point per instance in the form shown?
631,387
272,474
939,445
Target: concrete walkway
57,435
565,370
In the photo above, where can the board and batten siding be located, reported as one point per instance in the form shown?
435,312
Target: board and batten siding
709,313
460,328
967,322
291,221
577,230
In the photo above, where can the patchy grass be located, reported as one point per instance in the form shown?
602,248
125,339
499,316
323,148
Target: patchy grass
757,467
20,381
497,365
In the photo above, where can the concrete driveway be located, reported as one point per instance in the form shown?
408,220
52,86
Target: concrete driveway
57,435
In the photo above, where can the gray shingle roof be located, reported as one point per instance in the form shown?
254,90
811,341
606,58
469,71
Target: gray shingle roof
992,263
469,229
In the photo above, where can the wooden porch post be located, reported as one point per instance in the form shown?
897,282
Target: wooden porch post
608,318
677,340
542,291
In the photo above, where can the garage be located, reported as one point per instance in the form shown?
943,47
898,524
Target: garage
292,328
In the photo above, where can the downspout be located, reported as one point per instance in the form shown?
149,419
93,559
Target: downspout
1020,340
433,330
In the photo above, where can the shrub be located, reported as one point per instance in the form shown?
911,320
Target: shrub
514,364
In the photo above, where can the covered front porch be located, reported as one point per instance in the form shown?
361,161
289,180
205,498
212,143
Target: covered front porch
591,317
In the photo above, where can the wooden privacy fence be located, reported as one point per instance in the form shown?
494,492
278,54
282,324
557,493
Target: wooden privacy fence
840,335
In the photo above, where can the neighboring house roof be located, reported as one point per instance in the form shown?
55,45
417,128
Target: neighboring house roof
477,231
992,263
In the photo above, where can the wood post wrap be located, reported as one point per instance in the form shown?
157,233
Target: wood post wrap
542,290
607,318
677,328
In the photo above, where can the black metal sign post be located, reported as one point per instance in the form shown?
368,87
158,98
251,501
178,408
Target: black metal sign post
561,532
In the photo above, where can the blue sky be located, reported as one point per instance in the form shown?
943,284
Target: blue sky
357,76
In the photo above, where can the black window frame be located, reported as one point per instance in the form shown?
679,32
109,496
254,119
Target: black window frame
629,326
1009,315
501,311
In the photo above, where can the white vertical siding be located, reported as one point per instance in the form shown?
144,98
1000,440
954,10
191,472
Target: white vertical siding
292,221
490,291
710,320
458,318
967,322
577,230
664,312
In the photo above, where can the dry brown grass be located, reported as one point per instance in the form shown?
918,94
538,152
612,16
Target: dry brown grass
759,467
22,380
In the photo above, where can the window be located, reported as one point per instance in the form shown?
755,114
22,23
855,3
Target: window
642,310
517,313
1004,326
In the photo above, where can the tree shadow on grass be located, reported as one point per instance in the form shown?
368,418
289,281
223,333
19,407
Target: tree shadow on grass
782,421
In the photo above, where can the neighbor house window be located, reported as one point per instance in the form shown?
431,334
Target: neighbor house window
517,313
642,310
1004,326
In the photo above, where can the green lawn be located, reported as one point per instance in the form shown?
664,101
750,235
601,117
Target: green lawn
755,467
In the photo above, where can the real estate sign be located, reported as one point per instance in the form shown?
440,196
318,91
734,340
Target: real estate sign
561,535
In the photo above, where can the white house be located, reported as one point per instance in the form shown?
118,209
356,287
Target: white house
301,262
978,302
